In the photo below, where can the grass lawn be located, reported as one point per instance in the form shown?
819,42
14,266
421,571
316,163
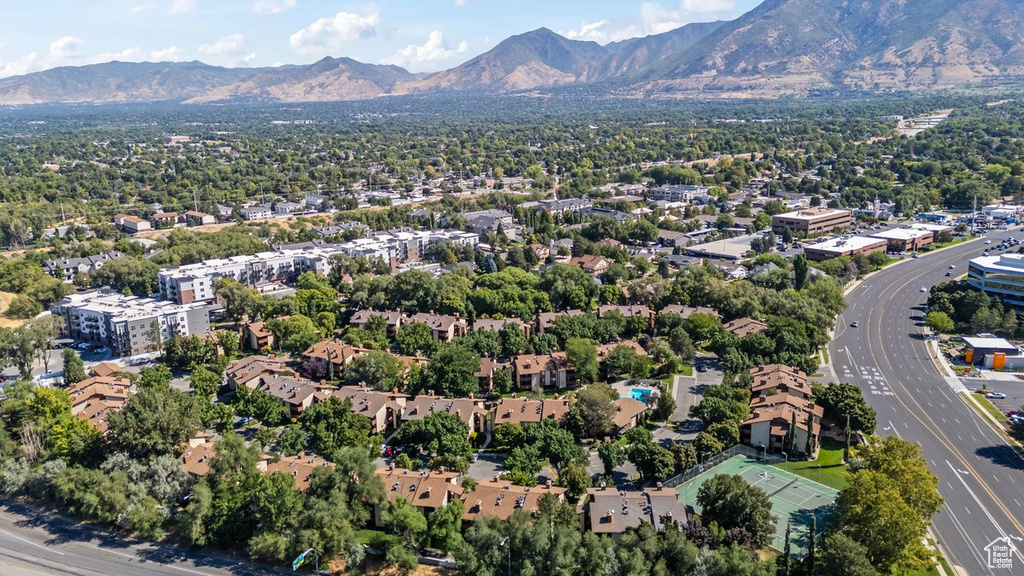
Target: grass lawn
830,457
686,370
991,408
374,538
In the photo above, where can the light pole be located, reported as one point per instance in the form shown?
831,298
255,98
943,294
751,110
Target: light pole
786,456
819,473
507,545
702,455
763,447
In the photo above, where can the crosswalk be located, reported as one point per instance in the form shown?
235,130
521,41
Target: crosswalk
872,376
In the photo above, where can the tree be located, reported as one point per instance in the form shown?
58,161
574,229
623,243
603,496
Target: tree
204,382
787,551
295,333
800,270
575,478
593,413
415,338
620,362
183,353
582,354
378,369
129,274
840,555
445,526
513,340
452,371
154,421
612,456
523,464
74,368
940,322
404,520
260,405
441,434
509,434
332,426
844,400
872,511
157,376
732,503
902,461
240,302
652,461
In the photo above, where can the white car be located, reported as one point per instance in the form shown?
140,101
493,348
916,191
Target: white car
988,241
995,396
951,266
923,289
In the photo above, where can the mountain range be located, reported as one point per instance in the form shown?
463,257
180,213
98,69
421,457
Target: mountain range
780,48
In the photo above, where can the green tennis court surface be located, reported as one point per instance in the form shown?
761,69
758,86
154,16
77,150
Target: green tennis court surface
793,498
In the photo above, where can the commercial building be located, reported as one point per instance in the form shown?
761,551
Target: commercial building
125,324
905,239
812,221
1001,276
989,351
677,193
837,247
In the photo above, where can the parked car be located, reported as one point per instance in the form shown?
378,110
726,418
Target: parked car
995,396
854,324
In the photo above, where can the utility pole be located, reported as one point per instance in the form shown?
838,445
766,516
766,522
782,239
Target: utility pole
974,212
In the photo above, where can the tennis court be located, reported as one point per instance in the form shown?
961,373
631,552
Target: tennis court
793,498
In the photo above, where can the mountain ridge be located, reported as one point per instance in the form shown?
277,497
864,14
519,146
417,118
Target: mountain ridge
779,48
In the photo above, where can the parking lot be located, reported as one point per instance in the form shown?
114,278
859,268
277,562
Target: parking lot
1014,391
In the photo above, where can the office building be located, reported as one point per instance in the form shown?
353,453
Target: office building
837,247
812,221
1001,276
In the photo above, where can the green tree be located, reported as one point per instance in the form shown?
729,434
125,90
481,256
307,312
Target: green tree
843,400
378,369
445,526
129,274
240,302
593,413
404,520
452,371
74,368
154,421
260,405
575,478
840,555
441,434
582,354
204,382
157,376
732,503
940,322
332,426
800,270
415,338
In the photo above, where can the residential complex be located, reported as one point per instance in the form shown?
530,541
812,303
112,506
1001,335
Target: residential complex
66,269
125,324
194,282
781,412
812,221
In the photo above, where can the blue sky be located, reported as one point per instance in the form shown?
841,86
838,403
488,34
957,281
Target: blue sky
421,35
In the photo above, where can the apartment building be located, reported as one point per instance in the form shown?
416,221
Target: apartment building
65,269
537,372
126,324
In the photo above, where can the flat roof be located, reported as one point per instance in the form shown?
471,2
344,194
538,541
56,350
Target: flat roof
813,214
729,248
902,234
1012,263
839,245
930,227
988,342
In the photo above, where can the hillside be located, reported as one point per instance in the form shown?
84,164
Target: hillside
535,59
629,58
792,46
329,80
118,82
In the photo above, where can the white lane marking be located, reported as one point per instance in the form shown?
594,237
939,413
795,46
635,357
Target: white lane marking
44,547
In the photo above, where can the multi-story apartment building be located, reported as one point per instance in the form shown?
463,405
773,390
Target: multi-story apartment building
194,282
129,325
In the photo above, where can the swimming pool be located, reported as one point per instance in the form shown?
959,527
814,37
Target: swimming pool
641,394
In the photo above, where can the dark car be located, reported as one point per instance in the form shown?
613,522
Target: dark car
702,368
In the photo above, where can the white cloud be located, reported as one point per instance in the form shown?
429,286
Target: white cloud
65,47
434,50
326,35
23,65
181,6
653,18
172,54
273,6
141,8
228,51
459,2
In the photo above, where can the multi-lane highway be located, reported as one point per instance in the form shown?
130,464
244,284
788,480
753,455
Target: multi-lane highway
981,477
33,543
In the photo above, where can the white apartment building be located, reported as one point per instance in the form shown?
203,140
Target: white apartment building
125,324
194,282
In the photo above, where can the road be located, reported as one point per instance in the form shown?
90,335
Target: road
981,477
34,543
